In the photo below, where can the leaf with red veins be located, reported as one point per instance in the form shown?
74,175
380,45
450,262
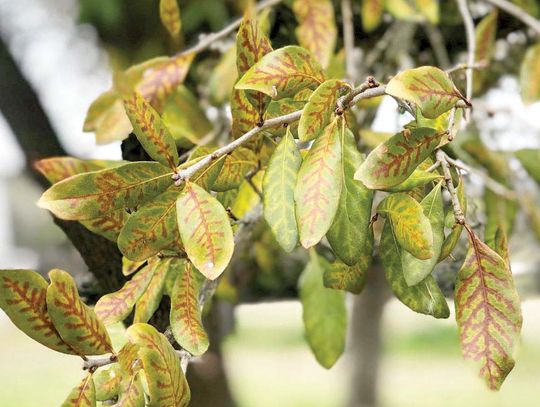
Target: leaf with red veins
153,135
430,88
393,161
22,297
167,385
244,115
76,323
283,72
152,228
149,302
160,81
251,45
169,12
235,167
116,306
84,395
318,186
319,109
205,230
186,319
56,169
488,312
317,28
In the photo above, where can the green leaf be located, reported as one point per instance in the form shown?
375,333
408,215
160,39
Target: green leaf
282,107
283,72
116,306
324,313
372,13
530,6
186,319
235,167
485,35
90,195
414,10
318,186
530,159
84,395
430,88
393,161
317,28
22,297
154,137
349,233
76,323
205,230
529,76
152,228
426,296
131,392
341,276
107,382
452,238
169,12
161,81
410,226
418,178
129,267
167,384
319,109
488,312
149,301
223,78
278,192
416,270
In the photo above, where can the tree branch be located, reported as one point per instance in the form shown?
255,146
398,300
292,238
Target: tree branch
458,212
348,38
518,13
369,89
207,39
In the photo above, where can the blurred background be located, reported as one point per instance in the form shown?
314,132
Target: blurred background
56,57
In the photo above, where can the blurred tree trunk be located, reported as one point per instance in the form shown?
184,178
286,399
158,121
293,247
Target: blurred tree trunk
365,352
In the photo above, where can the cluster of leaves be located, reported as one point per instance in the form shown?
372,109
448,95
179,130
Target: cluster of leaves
316,187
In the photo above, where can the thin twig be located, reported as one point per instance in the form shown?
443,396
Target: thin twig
477,65
208,39
517,12
458,212
369,89
348,38
437,43
471,47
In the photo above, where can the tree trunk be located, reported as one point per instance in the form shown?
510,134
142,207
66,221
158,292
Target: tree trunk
366,339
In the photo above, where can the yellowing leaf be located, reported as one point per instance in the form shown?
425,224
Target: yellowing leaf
107,382
108,225
410,225
169,12
488,312
341,276
319,109
283,72
430,88
317,29
84,395
251,45
150,131
129,267
160,81
56,169
76,323
349,232
372,13
279,108
278,192
235,167
205,230
186,320
90,195
414,10
418,178
22,297
131,392
529,77
426,296
485,33
148,303
206,176
414,269
116,306
167,385
393,161
244,115
324,313
152,228
318,186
